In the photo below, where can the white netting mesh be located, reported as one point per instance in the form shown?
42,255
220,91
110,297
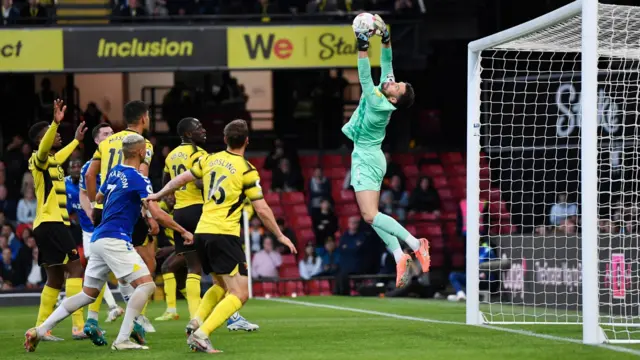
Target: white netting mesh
530,140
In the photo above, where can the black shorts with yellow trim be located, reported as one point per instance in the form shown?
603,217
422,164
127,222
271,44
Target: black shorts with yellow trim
55,244
188,218
221,254
140,236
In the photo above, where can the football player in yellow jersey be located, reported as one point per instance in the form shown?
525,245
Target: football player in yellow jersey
108,155
228,178
188,207
58,253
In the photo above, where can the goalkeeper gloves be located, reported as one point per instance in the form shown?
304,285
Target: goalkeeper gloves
362,38
381,29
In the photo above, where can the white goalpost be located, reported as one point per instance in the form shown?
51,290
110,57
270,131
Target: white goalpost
554,172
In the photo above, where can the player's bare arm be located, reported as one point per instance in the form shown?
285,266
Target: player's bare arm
91,179
100,198
51,136
176,183
144,169
85,203
63,154
266,215
167,221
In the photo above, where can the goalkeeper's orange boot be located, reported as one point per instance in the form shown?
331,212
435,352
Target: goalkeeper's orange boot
402,271
422,254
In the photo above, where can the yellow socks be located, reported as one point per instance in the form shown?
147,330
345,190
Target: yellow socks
73,287
94,307
193,293
223,311
170,290
183,291
48,300
210,299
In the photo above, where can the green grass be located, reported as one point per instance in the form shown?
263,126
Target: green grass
290,331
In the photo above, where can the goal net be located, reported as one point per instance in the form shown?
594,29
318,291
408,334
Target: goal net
526,95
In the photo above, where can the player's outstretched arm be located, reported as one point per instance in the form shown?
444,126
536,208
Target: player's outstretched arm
386,55
63,154
176,183
85,203
50,135
165,220
266,215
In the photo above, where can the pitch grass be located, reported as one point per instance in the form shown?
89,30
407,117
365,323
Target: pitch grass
291,331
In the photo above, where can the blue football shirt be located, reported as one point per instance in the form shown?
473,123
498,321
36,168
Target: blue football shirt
73,204
124,189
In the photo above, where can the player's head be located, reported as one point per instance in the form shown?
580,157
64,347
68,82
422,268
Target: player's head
136,113
101,132
134,148
36,132
191,129
399,94
75,166
236,134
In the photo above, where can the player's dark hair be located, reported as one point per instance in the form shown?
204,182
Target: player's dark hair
185,125
405,100
36,129
96,130
236,133
134,110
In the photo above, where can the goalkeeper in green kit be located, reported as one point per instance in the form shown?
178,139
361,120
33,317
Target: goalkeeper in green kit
367,128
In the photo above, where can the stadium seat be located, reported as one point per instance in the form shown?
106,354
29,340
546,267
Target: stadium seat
451,158
265,175
313,287
412,183
278,211
450,230
411,171
430,156
411,229
440,182
335,173
332,161
457,261
257,289
325,287
270,288
336,183
437,260
347,196
445,194
291,287
458,169
272,198
297,210
301,221
343,222
449,207
289,260
307,173
347,210
436,242
421,216
432,170
404,159
292,198
309,161
289,272
258,162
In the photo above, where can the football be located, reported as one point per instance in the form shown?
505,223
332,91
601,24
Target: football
364,22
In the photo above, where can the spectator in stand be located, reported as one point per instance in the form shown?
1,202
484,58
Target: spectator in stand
9,14
15,164
330,258
25,257
279,152
37,276
92,117
26,233
351,246
6,206
27,183
34,14
27,207
562,211
181,7
487,279
395,200
393,169
311,264
12,240
3,219
425,198
266,262
285,179
288,232
256,233
46,96
7,273
325,222
319,188
130,11
403,6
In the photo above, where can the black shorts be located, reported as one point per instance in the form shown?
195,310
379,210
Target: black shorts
188,218
221,254
55,244
140,236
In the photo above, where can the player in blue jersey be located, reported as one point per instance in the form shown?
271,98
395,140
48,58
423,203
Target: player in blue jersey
123,194
367,129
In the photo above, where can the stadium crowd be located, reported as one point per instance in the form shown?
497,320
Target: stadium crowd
41,12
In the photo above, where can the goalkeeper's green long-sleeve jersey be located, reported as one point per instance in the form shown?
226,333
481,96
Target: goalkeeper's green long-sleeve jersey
368,123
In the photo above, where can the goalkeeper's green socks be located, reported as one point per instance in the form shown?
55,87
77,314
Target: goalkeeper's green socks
389,225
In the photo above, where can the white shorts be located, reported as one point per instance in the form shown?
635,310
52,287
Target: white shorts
86,243
117,256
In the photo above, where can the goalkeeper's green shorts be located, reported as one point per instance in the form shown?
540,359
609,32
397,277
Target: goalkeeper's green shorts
367,169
